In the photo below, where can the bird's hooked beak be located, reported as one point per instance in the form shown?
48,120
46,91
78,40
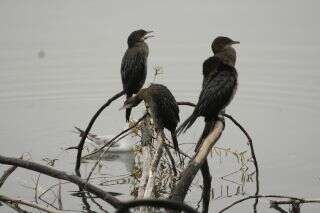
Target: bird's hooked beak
235,42
147,35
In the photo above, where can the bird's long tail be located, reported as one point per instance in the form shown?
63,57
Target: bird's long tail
206,131
128,111
187,123
175,141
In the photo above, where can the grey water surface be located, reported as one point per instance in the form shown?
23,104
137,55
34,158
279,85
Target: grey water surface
60,60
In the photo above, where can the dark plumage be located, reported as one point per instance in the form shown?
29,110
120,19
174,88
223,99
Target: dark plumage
162,106
218,87
134,64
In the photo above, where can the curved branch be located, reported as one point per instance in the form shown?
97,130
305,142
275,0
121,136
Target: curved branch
156,203
86,132
63,176
6,174
255,162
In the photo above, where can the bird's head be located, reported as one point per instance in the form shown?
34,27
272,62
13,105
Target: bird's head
138,36
221,42
131,102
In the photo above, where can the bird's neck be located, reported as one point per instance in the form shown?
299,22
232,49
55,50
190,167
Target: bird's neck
137,44
228,56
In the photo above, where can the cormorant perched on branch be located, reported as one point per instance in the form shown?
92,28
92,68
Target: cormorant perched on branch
218,87
134,64
162,106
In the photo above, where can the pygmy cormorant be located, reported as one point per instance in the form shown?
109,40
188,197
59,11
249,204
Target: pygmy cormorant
162,106
218,87
134,64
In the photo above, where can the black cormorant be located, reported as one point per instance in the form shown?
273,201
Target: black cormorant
218,87
162,107
134,64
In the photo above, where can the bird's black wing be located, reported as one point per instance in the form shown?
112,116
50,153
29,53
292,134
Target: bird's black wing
166,105
210,69
133,70
217,93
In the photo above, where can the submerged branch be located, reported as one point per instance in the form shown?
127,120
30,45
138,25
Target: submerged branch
206,176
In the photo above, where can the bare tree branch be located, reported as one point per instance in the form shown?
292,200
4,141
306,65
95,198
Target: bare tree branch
278,208
118,135
255,162
180,191
154,166
299,200
146,140
205,171
84,136
96,203
6,174
63,176
26,203
16,207
60,196
174,169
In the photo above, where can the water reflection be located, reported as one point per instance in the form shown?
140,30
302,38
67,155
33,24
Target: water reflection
127,158
122,150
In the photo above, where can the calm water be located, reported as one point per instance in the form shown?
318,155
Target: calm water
59,61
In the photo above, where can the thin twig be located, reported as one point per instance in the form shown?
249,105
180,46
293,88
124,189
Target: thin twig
36,189
278,208
63,176
26,203
84,136
174,169
179,151
60,196
6,174
255,162
16,207
300,200
118,135
99,159
96,203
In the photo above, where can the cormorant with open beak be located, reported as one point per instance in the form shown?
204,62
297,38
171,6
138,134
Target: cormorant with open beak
134,64
218,87
162,106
